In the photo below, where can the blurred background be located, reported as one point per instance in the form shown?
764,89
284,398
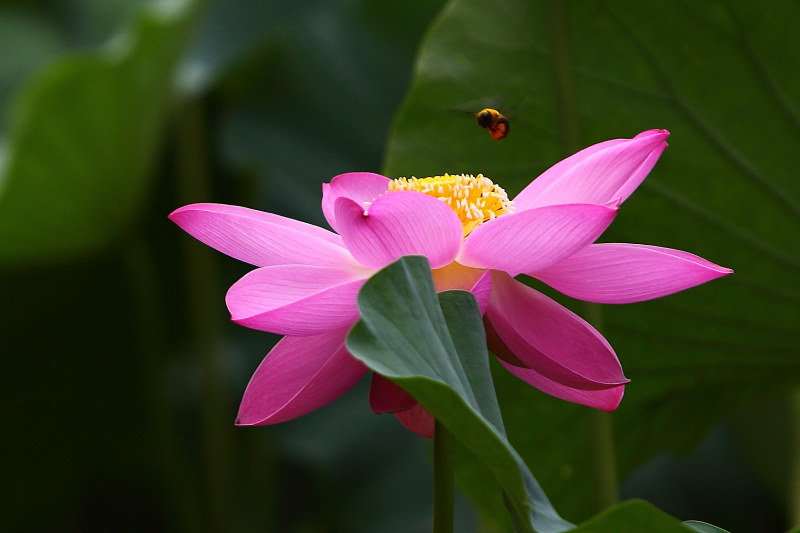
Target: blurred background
123,373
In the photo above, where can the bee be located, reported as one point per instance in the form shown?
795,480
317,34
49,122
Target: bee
489,118
494,122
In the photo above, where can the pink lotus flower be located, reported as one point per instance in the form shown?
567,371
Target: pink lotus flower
475,239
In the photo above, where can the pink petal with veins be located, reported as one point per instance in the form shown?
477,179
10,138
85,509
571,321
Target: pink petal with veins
259,238
603,173
299,375
535,239
550,339
295,299
606,399
554,173
360,187
483,291
396,224
627,273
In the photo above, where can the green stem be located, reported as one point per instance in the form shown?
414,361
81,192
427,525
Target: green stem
443,487
601,427
204,301
140,266
601,434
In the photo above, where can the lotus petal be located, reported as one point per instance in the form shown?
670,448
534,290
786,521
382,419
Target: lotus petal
299,375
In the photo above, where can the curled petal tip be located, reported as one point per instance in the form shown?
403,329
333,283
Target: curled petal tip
175,215
397,224
648,133
358,186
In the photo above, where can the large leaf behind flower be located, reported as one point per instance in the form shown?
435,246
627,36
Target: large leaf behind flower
83,138
721,77
439,355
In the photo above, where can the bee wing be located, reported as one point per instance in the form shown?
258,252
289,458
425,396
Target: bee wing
473,106
517,109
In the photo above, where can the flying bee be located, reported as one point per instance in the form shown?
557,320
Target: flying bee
489,118
494,122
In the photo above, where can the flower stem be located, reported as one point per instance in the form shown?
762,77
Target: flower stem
601,434
443,487
193,184
601,428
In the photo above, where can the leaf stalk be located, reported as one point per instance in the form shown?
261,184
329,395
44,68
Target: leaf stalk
443,484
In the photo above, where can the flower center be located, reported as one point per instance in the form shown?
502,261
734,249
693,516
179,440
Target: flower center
475,199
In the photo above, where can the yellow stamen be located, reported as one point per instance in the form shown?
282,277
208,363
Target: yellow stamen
475,199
